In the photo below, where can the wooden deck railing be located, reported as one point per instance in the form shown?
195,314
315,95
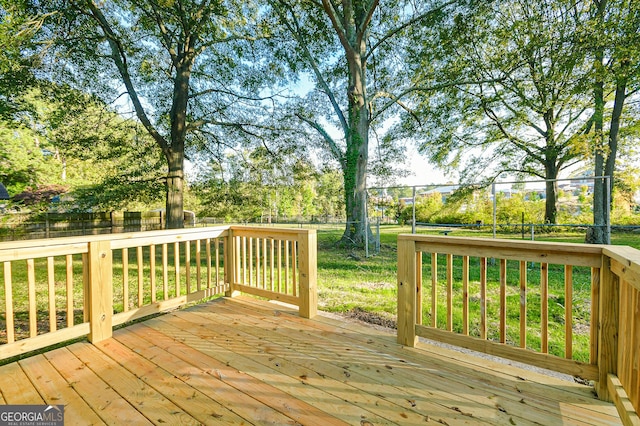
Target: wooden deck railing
60,289
535,277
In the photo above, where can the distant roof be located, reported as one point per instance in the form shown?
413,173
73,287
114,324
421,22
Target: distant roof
4,195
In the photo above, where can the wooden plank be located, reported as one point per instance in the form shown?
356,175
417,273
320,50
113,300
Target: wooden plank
544,308
186,397
322,369
264,264
523,304
286,267
51,288
279,263
12,251
568,311
149,342
8,302
102,399
293,408
55,390
16,388
305,383
625,408
31,289
567,400
272,287
151,403
395,374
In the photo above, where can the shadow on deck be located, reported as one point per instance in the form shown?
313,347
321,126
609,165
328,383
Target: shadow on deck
244,361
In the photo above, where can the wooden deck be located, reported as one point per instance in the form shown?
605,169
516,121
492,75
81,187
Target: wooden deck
243,361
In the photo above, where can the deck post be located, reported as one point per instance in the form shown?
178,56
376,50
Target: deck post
230,263
100,291
308,269
408,288
609,310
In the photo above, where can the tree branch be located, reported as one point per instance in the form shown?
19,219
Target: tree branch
337,153
410,22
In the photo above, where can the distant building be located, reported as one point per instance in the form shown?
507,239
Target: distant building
4,194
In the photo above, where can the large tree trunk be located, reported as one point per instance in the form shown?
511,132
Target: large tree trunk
175,187
357,158
550,207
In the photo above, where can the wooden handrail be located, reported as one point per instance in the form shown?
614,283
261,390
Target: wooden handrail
129,276
615,293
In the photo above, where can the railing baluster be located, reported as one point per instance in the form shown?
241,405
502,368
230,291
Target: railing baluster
286,267
544,308
503,300
258,269
294,267
595,314
198,266
176,256
465,295
523,304
244,260
279,266
264,263
70,308
140,261
568,311
272,265
449,292
8,300
217,249
419,294
187,266
152,271
208,251
51,282
434,289
125,279
483,298
33,311
165,272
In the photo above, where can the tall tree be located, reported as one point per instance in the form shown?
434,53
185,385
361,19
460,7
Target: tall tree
181,63
529,114
355,88
613,33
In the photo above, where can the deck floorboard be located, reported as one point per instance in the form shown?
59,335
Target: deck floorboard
245,361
